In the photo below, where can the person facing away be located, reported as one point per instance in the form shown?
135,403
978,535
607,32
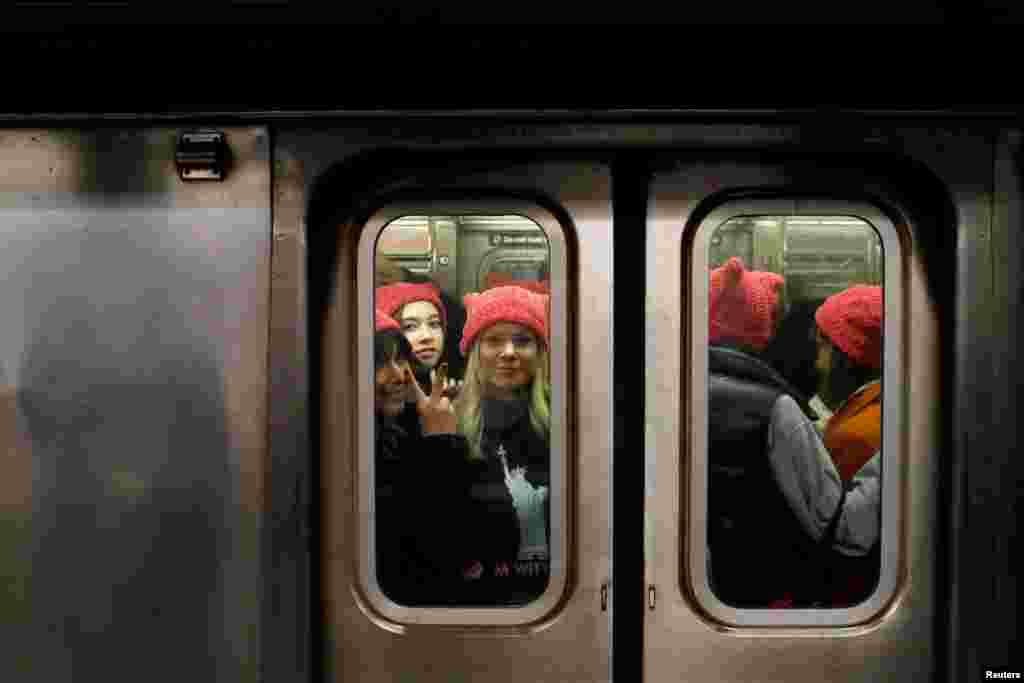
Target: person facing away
424,533
755,417
504,411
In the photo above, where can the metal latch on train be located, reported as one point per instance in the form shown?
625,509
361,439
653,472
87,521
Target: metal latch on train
202,155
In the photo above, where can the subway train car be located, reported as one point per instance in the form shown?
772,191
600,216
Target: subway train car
190,486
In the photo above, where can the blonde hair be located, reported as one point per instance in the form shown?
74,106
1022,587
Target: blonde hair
467,408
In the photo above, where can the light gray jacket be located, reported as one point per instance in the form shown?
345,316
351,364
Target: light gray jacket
809,481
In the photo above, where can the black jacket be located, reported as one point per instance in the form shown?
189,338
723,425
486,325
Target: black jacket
759,551
508,432
438,511
429,524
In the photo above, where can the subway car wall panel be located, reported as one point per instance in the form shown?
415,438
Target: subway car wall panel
547,394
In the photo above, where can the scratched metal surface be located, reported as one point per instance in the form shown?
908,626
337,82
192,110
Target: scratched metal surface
133,351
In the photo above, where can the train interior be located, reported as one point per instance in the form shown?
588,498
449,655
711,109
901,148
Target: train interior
471,253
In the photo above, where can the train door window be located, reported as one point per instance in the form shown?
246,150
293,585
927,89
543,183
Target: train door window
795,330
463,384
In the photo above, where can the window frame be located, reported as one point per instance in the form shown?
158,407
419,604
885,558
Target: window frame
367,590
693,575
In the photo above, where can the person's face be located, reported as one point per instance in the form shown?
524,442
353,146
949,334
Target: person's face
509,353
421,325
823,361
391,389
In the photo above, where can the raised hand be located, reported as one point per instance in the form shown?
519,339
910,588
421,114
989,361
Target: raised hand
436,413
451,390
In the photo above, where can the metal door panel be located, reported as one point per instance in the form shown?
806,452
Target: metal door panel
680,641
134,346
572,642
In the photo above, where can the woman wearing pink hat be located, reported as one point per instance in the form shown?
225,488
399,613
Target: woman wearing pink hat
849,337
419,311
756,416
504,411
423,478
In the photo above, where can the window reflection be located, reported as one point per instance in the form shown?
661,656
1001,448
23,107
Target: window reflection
794,443
462,411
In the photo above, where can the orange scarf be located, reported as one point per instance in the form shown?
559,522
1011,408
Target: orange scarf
854,433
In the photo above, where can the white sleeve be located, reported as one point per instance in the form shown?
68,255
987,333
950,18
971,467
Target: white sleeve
824,414
803,468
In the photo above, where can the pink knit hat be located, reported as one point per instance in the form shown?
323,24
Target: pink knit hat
385,322
391,298
743,304
852,319
504,304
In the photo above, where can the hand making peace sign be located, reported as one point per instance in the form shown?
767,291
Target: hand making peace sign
437,416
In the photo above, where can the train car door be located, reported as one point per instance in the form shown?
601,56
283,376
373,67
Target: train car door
487,222
133,356
824,226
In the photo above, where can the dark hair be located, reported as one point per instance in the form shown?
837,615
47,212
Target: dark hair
844,377
793,350
456,317
389,345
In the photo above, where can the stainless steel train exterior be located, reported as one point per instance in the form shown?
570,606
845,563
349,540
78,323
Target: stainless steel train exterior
186,472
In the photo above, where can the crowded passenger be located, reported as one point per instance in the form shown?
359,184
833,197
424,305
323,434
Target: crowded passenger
504,411
754,414
849,334
426,528
849,362
449,309
418,310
